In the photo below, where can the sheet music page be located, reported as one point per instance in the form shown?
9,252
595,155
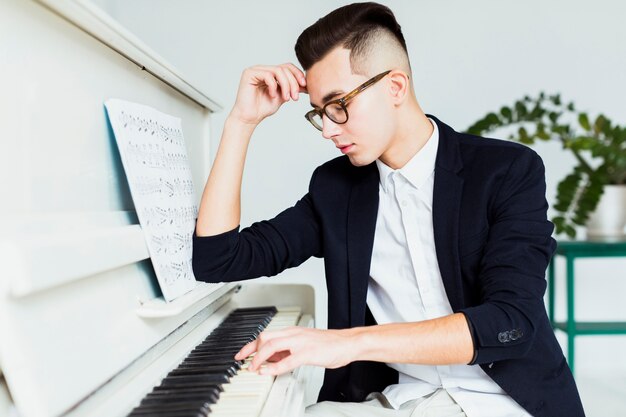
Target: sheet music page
155,160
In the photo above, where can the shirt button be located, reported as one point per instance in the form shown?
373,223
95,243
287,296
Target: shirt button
404,203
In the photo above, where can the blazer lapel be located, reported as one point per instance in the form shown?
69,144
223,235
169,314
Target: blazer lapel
361,225
447,194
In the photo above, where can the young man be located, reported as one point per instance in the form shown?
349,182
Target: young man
435,242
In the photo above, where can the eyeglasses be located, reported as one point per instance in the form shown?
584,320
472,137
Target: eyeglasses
336,110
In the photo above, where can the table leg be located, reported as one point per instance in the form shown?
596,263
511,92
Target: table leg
571,322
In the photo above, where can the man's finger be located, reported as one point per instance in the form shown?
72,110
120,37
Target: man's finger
298,76
267,350
270,82
293,83
247,350
283,82
297,72
252,347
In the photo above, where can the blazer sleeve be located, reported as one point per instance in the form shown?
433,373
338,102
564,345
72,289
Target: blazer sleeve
512,269
265,248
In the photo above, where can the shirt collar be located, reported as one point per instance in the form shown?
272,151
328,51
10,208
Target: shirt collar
419,167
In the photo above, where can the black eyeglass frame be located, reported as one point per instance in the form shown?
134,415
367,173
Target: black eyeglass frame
343,101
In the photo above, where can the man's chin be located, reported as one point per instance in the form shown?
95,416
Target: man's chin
358,162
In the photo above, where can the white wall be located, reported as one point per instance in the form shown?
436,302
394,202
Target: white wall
468,58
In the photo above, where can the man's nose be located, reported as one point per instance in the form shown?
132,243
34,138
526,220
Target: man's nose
329,128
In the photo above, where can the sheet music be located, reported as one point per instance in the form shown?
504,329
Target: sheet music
155,160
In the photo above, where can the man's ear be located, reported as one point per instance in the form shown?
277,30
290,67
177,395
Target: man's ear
399,86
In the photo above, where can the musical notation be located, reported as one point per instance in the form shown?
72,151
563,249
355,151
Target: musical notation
155,160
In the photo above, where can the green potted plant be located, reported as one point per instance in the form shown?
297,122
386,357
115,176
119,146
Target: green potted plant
599,147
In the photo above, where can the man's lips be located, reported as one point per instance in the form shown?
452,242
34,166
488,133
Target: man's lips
345,148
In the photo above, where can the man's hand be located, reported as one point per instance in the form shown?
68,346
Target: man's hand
292,347
263,89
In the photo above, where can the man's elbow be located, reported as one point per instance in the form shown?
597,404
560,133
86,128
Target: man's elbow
501,332
204,273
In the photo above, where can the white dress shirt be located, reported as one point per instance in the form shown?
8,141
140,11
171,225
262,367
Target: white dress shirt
405,286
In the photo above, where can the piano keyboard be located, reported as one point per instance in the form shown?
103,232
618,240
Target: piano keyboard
209,381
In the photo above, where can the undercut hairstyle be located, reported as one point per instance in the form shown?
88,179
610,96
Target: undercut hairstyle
358,27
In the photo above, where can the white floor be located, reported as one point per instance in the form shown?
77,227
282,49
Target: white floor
603,394
600,373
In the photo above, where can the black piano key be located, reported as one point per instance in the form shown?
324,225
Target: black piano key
222,344
208,394
243,338
212,357
227,359
244,322
208,378
168,413
248,317
211,360
158,412
215,351
217,357
195,369
256,309
234,334
241,322
241,318
199,362
179,386
186,390
204,370
224,341
188,398
192,362
153,409
226,345
250,313
195,404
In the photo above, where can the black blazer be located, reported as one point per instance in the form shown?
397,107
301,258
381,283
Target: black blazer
493,244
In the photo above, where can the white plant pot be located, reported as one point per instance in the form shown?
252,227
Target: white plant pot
608,221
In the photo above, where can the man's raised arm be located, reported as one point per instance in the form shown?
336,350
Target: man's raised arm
262,90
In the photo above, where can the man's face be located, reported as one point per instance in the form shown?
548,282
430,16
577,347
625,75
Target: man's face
367,133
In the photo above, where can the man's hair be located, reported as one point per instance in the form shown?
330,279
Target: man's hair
356,27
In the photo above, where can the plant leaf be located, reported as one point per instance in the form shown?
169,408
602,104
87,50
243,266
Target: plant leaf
507,114
583,120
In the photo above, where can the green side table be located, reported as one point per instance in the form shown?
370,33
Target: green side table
572,250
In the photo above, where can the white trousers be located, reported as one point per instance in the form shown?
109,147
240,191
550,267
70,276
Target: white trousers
438,404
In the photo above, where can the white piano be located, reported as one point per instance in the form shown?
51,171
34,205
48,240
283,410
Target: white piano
84,329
